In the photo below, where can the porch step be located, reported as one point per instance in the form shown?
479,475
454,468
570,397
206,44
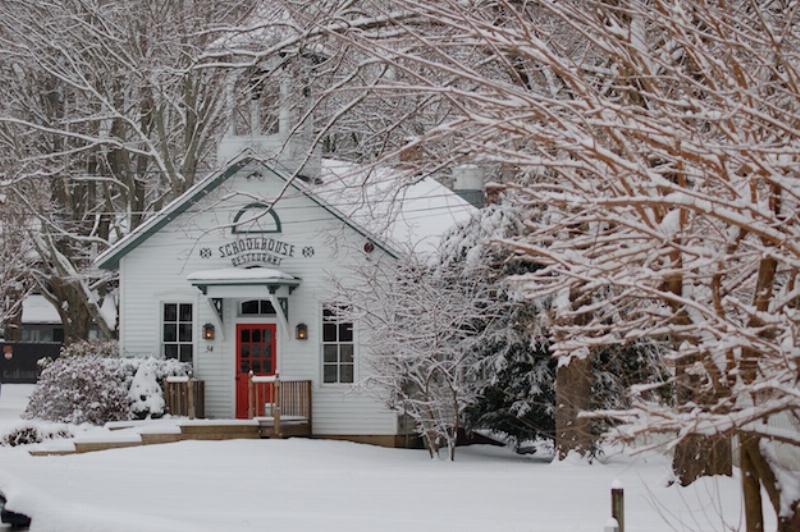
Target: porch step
219,431
44,452
159,438
90,447
155,434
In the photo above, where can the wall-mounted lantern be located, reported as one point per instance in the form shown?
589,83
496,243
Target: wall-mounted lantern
8,352
208,332
301,331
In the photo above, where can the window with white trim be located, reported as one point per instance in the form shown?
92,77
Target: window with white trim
337,347
257,307
176,331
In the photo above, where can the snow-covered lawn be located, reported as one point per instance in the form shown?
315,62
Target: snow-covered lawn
13,399
312,485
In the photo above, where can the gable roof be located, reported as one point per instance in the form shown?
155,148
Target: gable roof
327,195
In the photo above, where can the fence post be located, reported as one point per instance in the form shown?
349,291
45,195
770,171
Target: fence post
251,400
190,398
276,414
618,504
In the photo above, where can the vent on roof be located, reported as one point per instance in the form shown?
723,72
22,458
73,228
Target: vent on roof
469,183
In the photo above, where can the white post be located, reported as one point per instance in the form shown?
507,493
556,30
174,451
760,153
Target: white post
255,117
230,93
285,121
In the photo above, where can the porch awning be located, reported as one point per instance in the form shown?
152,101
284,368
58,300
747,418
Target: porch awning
239,277
246,283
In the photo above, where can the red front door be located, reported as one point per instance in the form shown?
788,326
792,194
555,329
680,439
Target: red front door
255,351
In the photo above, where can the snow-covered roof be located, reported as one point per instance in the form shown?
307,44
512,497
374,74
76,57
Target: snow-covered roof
369,200
410,218
225,275
37,309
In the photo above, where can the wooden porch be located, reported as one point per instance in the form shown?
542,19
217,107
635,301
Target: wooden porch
282,406
277,408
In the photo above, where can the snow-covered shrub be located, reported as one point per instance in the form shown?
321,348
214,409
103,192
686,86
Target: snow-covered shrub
145,395
81,389
103,348
28,434
96,388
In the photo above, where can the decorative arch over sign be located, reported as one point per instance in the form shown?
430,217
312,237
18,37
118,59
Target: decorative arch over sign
265,223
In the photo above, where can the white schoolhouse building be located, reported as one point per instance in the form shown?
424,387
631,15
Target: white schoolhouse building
217,280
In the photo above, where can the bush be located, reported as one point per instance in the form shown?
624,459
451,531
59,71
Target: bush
79,390
82,387
103,348
29,434
145,395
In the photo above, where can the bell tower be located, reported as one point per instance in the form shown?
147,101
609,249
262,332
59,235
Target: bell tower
267,108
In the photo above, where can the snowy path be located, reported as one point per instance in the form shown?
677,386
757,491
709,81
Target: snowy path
306,485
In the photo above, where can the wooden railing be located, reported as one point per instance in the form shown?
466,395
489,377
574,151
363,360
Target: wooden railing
276,397
184,397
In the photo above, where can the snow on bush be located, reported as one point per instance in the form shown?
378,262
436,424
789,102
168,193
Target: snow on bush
106,349
145,395
81,389
91,382
30,433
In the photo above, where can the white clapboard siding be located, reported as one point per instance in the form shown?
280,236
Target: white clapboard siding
156,272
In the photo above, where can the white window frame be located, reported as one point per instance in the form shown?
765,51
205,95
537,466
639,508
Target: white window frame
323,343
162,343
240,314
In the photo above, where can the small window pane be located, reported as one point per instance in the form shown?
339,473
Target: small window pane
250,307
330,354
345,332
329,332
185,332
346,373
186,353
328,314
170,312
170,332
329,373
346,351
266,307
58,335
171,350
256,335
186,312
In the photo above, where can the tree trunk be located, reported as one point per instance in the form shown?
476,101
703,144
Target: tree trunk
751,488
751,451
573,393
76,318
698,456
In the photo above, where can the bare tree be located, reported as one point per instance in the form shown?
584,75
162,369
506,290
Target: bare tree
105,118
656,143
15,266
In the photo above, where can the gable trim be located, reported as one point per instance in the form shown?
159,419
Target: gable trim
110,258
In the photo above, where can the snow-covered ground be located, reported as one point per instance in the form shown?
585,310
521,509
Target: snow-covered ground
13,399
311,485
